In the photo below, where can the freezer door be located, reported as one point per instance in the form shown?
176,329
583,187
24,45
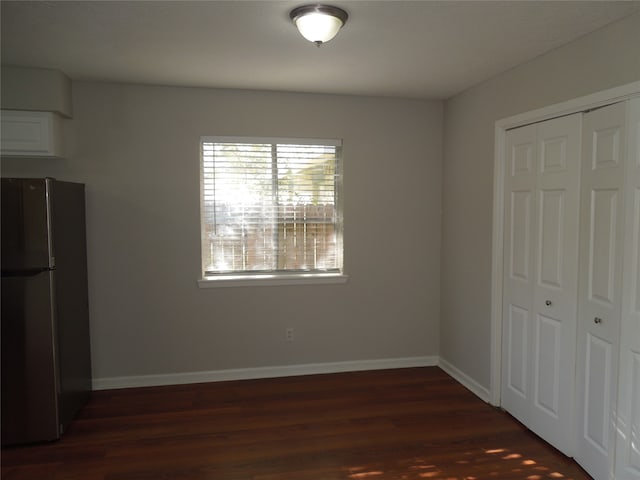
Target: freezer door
26,240
29,371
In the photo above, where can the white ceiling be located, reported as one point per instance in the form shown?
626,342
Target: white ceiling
414,49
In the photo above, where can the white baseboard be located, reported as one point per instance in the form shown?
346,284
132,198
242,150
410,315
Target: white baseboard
480,391
261,372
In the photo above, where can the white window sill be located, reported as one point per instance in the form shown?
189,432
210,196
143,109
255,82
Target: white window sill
273,280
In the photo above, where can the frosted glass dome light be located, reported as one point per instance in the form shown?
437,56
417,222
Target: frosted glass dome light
318,23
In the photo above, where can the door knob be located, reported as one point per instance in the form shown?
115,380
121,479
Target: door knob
548,303
597,320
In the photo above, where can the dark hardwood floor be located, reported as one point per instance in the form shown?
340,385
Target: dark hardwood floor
409,424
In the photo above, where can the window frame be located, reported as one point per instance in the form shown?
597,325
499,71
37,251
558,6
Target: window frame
275,278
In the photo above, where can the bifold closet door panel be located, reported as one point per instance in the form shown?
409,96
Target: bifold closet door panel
556,281
599,297
520,203
540,276
628,412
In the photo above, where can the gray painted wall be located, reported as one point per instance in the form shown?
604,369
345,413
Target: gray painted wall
604,59
136,148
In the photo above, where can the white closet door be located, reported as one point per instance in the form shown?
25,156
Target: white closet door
556,281
628,427
599,297
519,226
541,245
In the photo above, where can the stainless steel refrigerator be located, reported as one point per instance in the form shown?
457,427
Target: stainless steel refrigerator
46,360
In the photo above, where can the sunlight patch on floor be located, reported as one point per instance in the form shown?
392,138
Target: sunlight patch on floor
366,474
512,456
507,464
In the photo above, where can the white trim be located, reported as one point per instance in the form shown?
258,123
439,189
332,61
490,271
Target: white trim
580,104
273,280
331,142
468,382
261,372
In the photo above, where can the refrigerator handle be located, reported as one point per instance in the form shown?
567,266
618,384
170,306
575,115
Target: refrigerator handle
48,194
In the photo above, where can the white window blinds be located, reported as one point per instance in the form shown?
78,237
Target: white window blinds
270,205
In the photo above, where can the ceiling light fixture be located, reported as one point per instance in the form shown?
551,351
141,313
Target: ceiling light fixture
318,23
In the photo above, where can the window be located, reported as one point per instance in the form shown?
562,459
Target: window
270,208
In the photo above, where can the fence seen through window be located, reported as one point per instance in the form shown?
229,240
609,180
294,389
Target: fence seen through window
270,207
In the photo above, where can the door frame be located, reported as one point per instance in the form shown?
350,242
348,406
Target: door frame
580,104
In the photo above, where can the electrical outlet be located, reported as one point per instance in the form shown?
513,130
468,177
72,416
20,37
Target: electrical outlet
288,334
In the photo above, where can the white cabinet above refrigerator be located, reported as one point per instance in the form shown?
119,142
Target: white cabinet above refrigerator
31,134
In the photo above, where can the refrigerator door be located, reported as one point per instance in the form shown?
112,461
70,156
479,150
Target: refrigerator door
26,238
29,371
72,302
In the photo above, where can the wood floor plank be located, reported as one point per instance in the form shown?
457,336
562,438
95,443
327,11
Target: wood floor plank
405,424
